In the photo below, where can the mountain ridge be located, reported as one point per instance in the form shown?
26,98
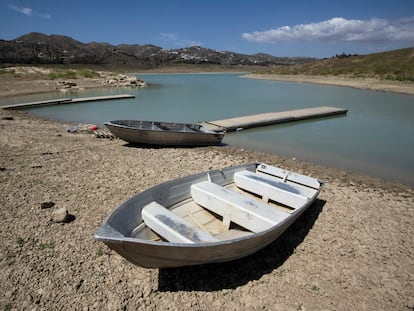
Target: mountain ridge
38,48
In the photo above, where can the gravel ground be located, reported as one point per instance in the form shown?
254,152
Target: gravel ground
352,250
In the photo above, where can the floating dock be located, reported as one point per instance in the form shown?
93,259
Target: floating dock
270,118
61,101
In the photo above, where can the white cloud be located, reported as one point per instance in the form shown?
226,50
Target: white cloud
25,11
175,40
29,12
339,29
44,15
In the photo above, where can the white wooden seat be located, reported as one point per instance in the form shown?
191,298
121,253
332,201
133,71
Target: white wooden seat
251,214
270,188
172,227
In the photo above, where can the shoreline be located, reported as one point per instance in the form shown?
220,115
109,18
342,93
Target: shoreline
33,87
364,84
28,80
27,88
24,84
358,237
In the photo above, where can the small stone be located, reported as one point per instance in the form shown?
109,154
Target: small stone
47,204
410,303
78,284
60,215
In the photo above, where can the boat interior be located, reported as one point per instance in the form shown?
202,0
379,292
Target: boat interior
254,202
161,126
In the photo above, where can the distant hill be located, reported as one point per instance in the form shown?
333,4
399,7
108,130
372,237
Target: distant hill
38,48
392,65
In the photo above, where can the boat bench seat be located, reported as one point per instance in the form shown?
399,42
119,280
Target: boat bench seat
288,176
171,227
271,188
249,213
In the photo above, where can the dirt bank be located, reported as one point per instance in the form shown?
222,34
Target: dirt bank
353,250
29,80
366,84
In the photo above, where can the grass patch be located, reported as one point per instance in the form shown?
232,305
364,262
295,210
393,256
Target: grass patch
8,306
103,274
99,252
19,241
73,74
43,246
88,73
394,65
4,71
315,288
63,74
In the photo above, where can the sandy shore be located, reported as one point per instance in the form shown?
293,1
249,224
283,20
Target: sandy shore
352,250
366,84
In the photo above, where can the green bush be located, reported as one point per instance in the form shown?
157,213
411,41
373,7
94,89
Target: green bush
87,73
393,65
63,74
73,74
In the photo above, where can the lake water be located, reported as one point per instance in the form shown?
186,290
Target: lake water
375,138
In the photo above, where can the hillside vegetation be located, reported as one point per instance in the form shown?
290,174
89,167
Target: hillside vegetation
393,65
40,49
49,73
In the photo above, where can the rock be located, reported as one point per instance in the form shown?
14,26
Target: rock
72,129
8,294
65,85
60,215
7,118
410,303
78,284
124,81
47,204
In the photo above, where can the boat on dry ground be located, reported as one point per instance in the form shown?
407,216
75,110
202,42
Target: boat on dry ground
164,133
210,217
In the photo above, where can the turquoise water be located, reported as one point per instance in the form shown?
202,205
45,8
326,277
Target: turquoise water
375,138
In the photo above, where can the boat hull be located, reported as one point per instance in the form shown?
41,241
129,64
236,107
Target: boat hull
180,135
117,230
148,254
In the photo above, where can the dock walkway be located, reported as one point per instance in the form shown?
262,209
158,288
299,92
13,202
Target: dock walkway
270,118
61,101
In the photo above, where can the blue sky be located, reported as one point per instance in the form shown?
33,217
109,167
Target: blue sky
314,28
